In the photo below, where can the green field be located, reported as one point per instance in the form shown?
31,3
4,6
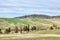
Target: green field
25,21
40,38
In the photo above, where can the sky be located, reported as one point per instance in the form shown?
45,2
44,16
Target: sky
14,8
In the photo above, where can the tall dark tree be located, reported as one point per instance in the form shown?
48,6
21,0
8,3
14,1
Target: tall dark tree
28,28
54,25
20,29
16,29
7,30
33,28
51,28
0,31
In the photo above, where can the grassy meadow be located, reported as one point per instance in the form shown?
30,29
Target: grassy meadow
25,21
40,38
10,22
45,32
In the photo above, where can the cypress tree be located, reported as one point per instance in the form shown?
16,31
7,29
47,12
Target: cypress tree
16,29
20,29
0,31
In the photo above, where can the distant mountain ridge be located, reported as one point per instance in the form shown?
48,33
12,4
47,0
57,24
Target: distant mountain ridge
35,16
38,16
56,16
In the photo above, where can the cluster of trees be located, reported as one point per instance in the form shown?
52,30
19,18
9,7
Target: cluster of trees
53,27
16,29
26,28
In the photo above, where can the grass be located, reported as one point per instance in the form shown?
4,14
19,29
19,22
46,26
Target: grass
45,32
33,21
39,21
40,38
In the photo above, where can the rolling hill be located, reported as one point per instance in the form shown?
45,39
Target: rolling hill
35,19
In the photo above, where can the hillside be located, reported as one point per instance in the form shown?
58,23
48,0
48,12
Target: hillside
40,20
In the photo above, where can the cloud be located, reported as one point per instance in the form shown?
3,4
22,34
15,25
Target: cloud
27,7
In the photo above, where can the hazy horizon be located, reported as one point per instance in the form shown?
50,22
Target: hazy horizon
15,8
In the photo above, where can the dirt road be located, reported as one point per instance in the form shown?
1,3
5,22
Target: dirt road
29,35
